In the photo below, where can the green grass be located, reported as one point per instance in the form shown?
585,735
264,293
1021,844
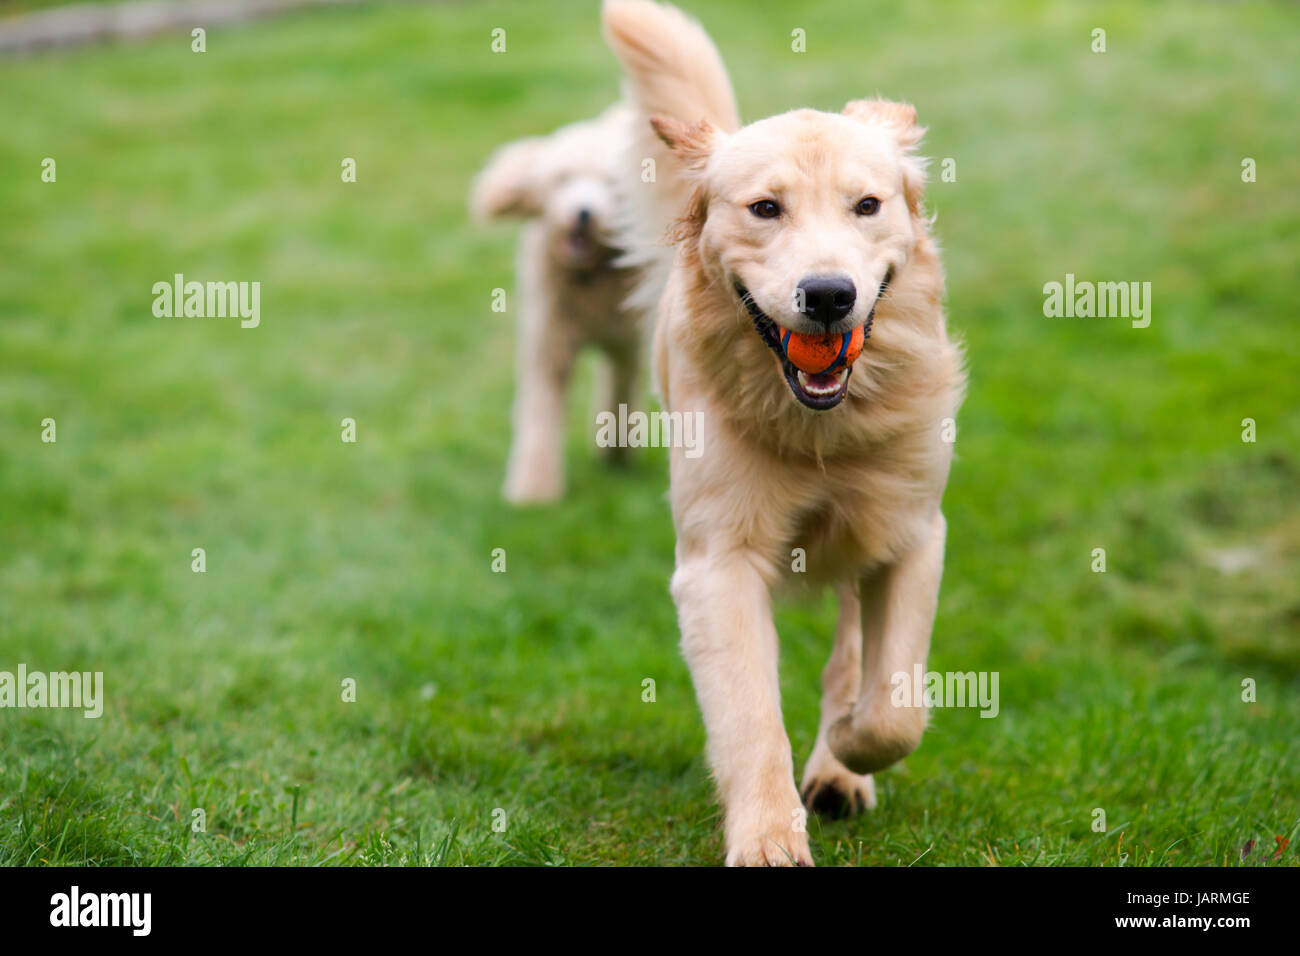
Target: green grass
522,690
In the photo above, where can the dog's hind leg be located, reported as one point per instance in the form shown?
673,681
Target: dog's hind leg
829,788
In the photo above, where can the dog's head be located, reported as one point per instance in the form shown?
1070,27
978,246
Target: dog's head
805,218
566,181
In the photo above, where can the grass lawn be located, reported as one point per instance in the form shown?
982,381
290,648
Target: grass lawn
522,691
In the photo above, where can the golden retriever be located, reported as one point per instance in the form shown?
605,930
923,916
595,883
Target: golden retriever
811,222
571,288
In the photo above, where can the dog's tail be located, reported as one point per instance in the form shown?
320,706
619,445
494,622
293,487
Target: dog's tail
672,66
673,70
506,186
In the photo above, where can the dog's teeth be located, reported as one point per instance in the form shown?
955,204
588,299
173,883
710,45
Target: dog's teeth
823,387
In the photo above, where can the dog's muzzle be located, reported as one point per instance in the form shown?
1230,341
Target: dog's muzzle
818,392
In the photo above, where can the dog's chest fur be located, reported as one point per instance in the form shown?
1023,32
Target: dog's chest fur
847,489
588,300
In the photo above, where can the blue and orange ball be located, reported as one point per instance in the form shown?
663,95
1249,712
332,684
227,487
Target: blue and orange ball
821,354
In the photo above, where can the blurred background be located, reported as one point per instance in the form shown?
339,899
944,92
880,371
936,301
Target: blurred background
522,690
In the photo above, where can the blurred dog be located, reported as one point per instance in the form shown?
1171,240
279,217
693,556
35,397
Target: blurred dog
570,289
807,222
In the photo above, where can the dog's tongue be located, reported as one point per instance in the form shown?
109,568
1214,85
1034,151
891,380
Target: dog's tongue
825,381
822,386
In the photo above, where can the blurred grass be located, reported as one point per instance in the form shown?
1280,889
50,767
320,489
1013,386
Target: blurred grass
522,690
11,7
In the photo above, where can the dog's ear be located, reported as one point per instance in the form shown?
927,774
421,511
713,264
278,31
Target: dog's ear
899,120
688,226
692,145
510,184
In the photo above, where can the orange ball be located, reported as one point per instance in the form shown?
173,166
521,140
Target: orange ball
819,354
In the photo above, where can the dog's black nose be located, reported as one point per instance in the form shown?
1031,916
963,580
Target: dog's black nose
827,298
584,218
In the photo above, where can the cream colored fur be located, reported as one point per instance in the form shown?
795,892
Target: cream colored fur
856,487
565,300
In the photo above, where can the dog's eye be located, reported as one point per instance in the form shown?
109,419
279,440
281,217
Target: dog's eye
765,209
868,207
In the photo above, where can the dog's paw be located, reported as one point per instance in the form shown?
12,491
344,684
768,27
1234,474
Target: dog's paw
840,796
530,491
780,845
832,790
866,744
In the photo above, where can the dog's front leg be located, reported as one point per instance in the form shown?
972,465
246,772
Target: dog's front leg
898,608
730,643
829,788
620,374
543,363
535,473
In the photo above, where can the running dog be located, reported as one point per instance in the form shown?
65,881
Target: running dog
571,289
808,223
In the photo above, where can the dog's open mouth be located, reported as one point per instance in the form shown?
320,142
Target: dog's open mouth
581,244
816,391
586,251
